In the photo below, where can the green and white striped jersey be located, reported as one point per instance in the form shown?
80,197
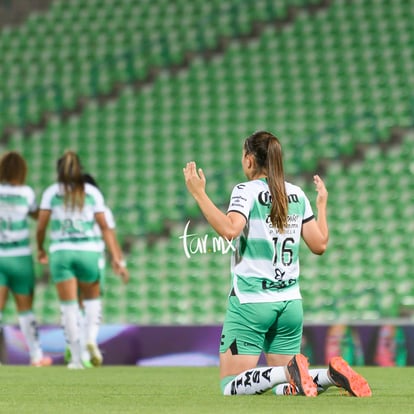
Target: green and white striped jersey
265,263
16,202
73,229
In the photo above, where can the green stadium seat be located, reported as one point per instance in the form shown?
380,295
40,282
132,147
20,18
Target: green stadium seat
326,83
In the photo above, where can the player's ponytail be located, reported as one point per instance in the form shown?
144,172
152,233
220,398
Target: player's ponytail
267,152
276,182
71,177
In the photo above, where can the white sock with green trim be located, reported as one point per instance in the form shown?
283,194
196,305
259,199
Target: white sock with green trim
70,324
93,317
255,381
30,330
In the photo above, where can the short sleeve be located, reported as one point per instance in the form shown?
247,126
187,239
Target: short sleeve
240,200
99,202
109,217
32,200
46,201
308,213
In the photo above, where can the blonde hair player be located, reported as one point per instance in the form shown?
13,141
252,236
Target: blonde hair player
89,331
73,207
266,218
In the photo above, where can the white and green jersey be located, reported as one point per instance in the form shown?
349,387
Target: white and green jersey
265,263
73,229
110,221
16,202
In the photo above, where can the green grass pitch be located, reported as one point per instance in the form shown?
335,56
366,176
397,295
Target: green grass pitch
130,389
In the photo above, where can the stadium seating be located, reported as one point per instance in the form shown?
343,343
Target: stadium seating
80,49
368,268
327,84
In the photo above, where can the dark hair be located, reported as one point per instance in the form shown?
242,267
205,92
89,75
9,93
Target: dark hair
13,168
90,180
69,171
267,153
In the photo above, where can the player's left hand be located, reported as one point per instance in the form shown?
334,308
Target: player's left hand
322,197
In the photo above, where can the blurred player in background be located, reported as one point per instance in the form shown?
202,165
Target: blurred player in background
89,329
267,217
73,206
17,203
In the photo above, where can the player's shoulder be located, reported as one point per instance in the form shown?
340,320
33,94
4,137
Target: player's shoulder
94,192
52,188
89,188
27,191
23,189
250,185
293,188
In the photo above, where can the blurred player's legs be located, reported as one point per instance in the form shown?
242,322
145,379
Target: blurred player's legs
93,317
3,348
30,330
70,323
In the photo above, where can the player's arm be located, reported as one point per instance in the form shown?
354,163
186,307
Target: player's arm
34,214
228,225
42,222
315,232
123,271
118,262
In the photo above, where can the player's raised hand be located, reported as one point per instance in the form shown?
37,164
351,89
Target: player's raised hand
194,179
322,197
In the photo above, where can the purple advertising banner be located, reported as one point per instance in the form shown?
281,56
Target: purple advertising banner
379,345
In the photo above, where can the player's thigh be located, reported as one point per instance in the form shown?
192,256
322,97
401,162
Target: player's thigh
88,267
277,360
67,290
24,303
4,290
243,334
61,267
66,264
245,326
17,273
94,287
231,364
285,336
89,290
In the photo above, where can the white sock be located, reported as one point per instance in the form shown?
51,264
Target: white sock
82,331
30,330
255,381
93,317
320,378
70,324
284,389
